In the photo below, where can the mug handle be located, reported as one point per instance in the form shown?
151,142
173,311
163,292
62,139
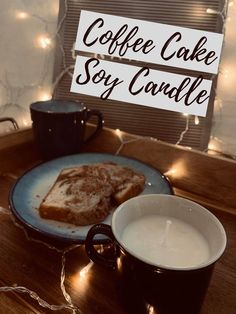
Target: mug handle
92,252
90,113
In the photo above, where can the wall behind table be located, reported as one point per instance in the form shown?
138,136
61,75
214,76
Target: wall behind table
27,57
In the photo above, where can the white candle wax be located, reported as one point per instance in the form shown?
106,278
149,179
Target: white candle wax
166,241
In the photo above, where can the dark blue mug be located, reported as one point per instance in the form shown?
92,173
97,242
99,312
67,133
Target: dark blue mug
59,126
153,286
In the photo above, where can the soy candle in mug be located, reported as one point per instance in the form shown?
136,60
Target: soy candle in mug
165,248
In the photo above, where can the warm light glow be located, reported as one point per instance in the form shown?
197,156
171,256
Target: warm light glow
211,11
196,120
118,263
118,133
170,172
185,114
44,42
26,123
151,310
101,249
211,146
80,280
45,96
215,144
231,3
85,270
178,170
22,15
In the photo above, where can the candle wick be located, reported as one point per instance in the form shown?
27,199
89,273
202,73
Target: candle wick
166,233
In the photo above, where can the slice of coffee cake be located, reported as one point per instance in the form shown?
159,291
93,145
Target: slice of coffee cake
86,194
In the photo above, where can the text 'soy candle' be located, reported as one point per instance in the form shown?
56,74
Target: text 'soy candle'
166,241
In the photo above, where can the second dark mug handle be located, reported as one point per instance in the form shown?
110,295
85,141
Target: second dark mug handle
94,112
93,253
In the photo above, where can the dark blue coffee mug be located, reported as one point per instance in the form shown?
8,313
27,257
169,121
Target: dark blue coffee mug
148,286
59,126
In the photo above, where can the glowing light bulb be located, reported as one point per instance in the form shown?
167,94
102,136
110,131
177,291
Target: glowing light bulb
231,3
22,15
45,96
211,11
44,42
170,172
185,114
215,144
196,120
80,280
25,122
178,170
118,133
211,146
85,270
151,310
119,263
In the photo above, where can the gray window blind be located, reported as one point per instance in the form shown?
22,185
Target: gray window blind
161,124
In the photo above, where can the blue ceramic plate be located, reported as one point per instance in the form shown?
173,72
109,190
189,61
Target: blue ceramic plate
30,189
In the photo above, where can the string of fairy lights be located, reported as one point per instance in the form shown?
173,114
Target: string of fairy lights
33,294
80,278
45,42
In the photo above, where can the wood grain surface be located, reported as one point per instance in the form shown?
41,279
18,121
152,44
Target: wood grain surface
35,266
211,178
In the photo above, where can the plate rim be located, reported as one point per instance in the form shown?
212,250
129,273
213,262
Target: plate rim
58,236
